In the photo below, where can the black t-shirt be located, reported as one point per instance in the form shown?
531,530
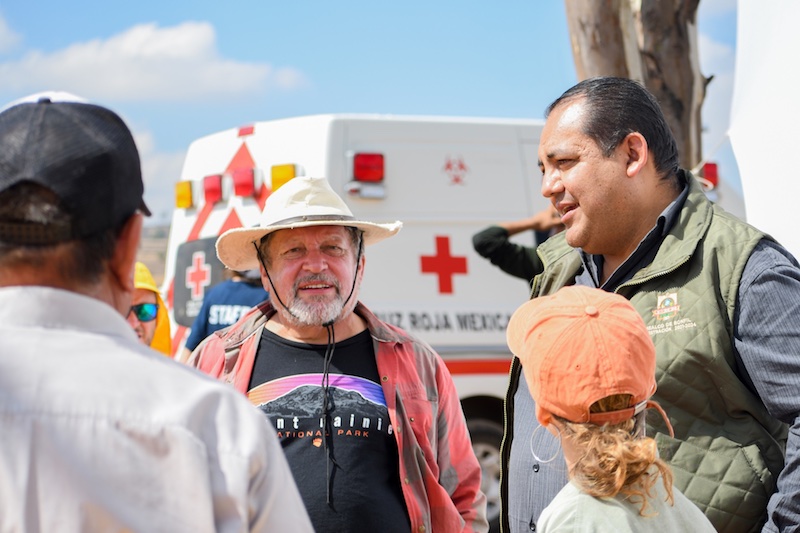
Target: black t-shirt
286,384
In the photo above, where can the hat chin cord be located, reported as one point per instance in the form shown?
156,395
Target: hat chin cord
331,345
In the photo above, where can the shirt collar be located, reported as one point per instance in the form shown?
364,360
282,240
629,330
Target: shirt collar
670,215
50,308
593,264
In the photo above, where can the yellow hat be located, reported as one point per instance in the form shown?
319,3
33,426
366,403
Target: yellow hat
143,279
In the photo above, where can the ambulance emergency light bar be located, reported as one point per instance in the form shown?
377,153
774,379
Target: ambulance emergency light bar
214,188
242,182
280,174
367,173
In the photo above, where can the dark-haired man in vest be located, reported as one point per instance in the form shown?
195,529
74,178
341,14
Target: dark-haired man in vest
719,297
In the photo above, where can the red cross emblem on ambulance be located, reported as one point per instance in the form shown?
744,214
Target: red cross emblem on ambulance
444,265
198,275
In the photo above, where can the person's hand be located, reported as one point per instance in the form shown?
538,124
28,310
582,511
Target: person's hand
546,220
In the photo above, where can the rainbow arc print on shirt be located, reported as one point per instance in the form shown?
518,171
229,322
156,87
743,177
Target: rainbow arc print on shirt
293,406
272,390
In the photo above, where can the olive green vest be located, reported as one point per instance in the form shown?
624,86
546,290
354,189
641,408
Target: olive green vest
727,451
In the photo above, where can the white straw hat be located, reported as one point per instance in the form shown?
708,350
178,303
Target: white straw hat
302,202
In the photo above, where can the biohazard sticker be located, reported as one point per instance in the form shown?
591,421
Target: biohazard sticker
456,169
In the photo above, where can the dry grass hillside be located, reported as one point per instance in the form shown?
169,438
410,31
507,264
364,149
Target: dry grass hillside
153,250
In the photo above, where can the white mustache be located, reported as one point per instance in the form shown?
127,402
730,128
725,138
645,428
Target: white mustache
322,278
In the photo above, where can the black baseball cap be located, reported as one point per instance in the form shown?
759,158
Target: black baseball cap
82,152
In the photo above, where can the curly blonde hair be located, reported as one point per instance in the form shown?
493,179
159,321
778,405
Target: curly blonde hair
616,458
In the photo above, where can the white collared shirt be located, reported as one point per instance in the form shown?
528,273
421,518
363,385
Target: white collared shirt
100,433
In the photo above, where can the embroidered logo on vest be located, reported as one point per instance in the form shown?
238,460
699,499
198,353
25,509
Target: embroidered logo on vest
667,307
666,314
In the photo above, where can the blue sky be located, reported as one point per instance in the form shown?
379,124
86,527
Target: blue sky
178,70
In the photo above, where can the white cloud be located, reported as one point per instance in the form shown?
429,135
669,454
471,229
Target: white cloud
147,63
715,55
289,78
719,60
160,172
8,38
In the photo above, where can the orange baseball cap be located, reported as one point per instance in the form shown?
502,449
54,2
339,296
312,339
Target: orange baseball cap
580,345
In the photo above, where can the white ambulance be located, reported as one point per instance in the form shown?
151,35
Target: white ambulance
445,178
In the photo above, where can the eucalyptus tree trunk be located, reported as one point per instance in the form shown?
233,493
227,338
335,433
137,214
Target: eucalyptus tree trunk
654,42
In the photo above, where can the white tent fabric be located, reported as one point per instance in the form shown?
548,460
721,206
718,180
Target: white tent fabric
765,116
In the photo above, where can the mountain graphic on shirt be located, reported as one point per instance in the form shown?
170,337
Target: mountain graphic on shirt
306,401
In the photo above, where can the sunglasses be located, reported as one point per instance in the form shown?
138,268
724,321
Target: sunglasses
144,312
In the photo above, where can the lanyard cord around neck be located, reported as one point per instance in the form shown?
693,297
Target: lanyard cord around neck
327,439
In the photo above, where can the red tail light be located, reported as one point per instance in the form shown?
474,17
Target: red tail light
368,168
711,173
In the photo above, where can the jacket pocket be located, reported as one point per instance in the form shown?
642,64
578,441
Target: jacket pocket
730,483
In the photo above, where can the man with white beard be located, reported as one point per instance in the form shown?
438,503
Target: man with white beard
368,415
